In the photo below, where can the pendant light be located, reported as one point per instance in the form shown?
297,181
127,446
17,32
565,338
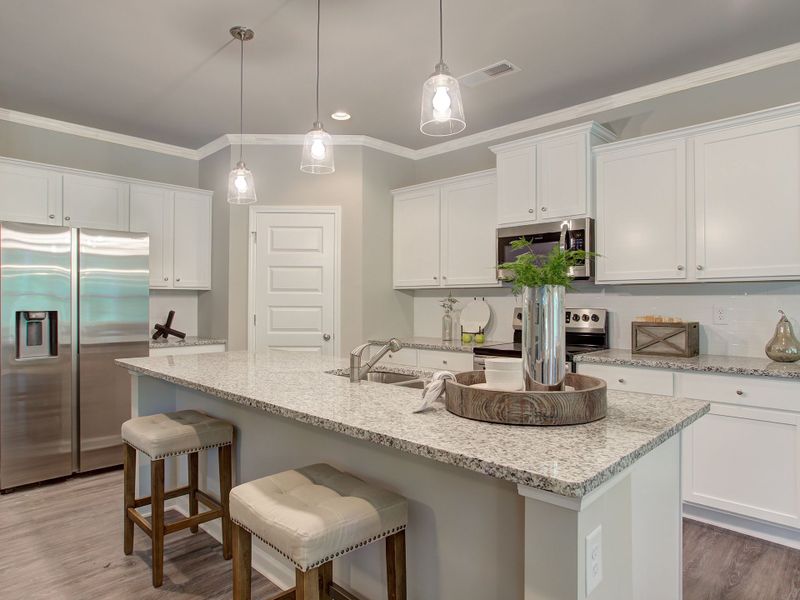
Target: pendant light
442,111
241,187
317,145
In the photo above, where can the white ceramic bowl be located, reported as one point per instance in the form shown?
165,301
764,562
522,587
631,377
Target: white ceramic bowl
504,364
509,381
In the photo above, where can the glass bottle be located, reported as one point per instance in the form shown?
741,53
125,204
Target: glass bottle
447,326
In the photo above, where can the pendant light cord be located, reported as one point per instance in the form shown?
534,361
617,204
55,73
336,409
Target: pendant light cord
441,34
318,20
241,100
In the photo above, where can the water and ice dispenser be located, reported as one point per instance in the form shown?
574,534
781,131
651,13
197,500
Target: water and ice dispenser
37,334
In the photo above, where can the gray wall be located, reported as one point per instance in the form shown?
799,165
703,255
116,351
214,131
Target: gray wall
51,147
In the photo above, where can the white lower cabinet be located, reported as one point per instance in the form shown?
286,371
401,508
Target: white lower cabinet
742,460
442,360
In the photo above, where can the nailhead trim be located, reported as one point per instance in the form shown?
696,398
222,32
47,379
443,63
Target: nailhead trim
179,452
328,558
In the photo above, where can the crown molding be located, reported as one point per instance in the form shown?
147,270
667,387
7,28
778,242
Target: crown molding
102,135
735,68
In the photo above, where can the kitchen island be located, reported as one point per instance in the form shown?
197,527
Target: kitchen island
495,511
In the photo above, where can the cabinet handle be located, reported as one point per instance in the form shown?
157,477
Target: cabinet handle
51,216
621,380
680,267
544,209
444,277
699,267
435,278
177,279
66,218
530,210
444,362
166,278
739,392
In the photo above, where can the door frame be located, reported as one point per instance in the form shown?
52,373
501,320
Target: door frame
336,211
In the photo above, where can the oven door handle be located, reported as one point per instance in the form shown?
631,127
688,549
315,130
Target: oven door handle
562,241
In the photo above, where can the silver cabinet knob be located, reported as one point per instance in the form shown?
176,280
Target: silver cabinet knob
444,277
739,392
530,210
51,216
699,267
390,356
435,278
444,362
66,218
544,209
166,278
326,336
177,279
680,267
621,380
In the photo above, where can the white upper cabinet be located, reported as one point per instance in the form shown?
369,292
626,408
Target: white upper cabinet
469,236
192,240
95,202
416,238
547,177
152,213
444,233
29,194
747,201
641,212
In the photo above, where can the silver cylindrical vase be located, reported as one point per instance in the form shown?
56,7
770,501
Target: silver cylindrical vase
544,353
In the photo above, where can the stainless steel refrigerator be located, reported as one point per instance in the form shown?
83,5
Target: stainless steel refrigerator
71,301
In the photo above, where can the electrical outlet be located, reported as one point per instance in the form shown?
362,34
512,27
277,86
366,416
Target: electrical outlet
594,559
720,315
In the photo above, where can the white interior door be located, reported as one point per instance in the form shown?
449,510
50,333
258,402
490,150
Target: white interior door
294,281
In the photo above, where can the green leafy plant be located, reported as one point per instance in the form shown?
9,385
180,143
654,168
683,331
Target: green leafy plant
532,270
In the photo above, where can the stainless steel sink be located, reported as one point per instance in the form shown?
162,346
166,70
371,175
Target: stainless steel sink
388,377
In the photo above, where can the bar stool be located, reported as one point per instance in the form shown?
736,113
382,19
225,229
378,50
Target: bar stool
311,516
173,434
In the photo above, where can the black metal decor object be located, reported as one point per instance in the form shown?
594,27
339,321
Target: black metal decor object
166,329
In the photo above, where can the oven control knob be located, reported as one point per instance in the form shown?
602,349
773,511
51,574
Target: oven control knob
585,317
595,318
576,317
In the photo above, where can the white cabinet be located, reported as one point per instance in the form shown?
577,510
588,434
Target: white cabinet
95,202
152,211
641,212
192,240
444,233
747,201
547,176
427,359
29,194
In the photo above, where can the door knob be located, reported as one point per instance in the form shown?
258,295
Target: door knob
326,336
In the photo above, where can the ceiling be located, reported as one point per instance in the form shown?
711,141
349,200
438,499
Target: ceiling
168,71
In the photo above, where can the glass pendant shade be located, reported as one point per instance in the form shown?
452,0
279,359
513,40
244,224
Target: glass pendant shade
442,111
317,152
241,187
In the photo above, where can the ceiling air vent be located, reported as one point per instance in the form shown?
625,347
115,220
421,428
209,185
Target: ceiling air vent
498,69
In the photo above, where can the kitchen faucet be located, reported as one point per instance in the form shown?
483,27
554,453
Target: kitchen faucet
357,371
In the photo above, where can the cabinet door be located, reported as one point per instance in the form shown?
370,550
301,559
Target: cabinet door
416,238
641,212
95,202
192,240
30,195
152,213
562,179
516,185
745,461
747,201
469,238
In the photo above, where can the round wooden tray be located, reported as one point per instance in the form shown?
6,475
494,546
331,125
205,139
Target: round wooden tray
584,404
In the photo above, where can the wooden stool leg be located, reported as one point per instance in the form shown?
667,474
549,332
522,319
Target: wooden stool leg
157,519
225,483
129,493
193,483
308,585
326,579
396,565
242,559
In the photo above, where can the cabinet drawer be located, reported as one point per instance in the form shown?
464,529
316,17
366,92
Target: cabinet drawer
631,379
451,361
760,392
405,357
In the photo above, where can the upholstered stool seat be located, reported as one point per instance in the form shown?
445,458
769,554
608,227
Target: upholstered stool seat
313,515
171,434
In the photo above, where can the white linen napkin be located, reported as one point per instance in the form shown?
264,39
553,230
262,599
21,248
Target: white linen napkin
434,390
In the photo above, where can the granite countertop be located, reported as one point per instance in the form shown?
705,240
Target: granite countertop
706,363
570,461
174,342
434,343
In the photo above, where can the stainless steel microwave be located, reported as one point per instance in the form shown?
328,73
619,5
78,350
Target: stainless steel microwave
570,234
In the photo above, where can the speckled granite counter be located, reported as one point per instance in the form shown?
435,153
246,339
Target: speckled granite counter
433,343
569,461
707,363
173,342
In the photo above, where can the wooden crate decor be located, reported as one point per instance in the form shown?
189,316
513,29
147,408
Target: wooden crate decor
665,339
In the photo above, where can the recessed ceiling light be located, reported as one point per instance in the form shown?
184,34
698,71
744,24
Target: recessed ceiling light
340,115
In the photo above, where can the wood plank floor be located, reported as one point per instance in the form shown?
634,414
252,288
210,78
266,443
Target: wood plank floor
64,542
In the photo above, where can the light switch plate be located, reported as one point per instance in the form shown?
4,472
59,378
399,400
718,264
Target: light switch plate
594,559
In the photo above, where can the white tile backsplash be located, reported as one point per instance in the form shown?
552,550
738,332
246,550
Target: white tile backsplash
183,302
752,310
